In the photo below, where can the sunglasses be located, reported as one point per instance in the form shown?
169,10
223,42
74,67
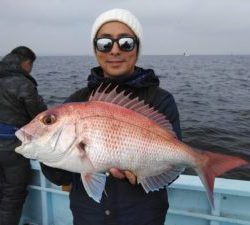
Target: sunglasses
105,44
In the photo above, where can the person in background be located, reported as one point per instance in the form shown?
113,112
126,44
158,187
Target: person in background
117,42
19,104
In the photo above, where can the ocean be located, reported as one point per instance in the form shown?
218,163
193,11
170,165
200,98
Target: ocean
212,94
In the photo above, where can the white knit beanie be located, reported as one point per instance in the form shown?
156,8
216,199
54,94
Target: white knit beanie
120,15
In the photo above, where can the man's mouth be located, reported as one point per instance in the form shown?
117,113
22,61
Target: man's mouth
115,61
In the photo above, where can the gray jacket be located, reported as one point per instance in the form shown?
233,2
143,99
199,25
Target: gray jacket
19,99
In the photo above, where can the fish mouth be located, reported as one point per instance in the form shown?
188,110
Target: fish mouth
23,136
27,146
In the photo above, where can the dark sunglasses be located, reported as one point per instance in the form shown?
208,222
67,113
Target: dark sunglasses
105,44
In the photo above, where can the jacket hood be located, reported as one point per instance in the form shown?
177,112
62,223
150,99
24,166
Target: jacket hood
141,78
10,66
10,63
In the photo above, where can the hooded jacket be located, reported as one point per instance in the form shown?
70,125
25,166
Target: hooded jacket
19,99
123,203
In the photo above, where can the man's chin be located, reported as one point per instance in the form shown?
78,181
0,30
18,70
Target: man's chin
116,73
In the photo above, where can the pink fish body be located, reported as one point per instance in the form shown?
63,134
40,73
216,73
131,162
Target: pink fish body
113,131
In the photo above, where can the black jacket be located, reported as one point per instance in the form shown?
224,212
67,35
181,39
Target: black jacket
125,203
19,99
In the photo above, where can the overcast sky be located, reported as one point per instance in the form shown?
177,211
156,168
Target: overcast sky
62,27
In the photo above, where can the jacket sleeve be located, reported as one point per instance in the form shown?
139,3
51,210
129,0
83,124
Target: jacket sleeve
32,101
164,102
172,113
57,176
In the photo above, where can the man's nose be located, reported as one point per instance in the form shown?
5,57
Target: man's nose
115,49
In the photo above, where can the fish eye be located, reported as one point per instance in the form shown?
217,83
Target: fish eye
49,119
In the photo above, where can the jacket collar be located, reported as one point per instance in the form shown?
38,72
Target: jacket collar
139,79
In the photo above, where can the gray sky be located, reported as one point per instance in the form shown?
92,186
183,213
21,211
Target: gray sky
62,27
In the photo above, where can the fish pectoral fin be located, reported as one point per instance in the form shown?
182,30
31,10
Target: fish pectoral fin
94,185
154,183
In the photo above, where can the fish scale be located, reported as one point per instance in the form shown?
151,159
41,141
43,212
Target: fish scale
117,146
110,148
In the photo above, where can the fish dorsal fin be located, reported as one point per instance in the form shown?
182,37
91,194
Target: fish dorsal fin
135,104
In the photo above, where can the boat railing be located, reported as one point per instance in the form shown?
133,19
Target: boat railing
47,204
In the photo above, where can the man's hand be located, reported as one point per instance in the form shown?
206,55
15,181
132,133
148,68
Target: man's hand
123,174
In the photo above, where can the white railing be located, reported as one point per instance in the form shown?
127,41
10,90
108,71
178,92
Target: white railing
47,204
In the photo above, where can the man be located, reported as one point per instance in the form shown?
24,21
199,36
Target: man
117,41
19,104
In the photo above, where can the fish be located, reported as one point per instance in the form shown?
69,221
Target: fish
114,130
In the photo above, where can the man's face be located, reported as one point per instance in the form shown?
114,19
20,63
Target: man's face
116,62
27,66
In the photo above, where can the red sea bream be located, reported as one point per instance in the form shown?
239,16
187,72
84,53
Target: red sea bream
113,131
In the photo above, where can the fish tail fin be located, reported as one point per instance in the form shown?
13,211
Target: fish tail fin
215,165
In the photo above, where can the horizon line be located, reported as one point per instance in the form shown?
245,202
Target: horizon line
184,55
